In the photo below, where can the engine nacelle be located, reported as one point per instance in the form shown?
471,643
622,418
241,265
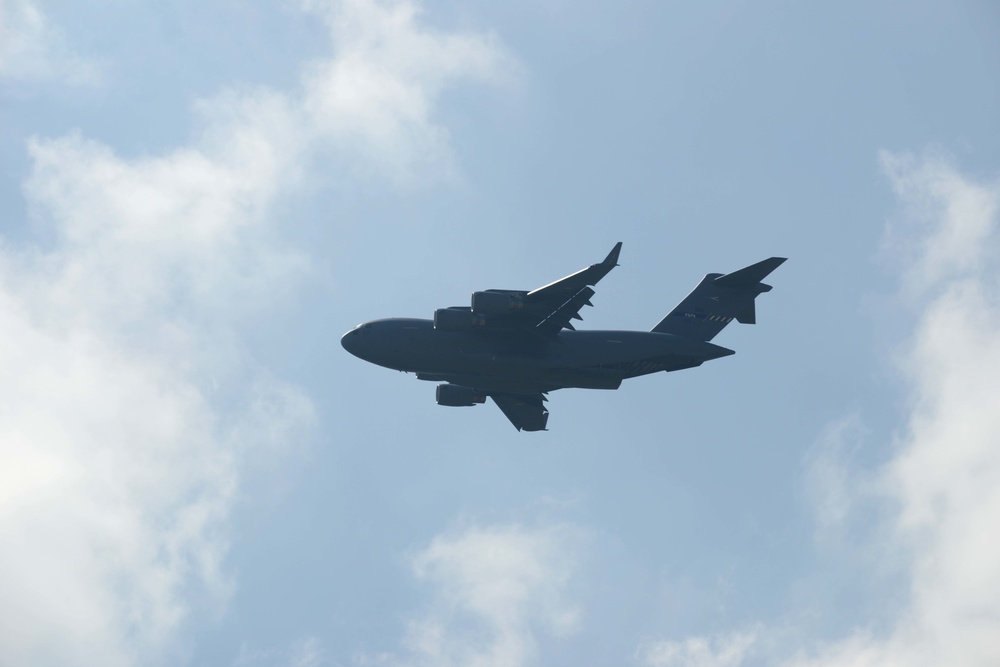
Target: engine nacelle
497,302
457,319
458,396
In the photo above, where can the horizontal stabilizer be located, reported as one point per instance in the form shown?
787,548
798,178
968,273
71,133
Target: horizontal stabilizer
751,275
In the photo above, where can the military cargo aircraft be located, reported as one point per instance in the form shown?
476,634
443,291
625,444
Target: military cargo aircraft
515,346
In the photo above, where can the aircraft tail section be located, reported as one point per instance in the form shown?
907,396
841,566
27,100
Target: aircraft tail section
717,300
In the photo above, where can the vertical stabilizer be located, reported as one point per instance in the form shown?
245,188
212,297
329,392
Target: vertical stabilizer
718,300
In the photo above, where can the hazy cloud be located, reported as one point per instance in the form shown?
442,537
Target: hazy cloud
944,477
832,481
945,229
376,98
938,496
127,403
726,651
307,652
119,467
497,589
32,49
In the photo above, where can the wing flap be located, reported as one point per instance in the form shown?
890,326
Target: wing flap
570,310
561,301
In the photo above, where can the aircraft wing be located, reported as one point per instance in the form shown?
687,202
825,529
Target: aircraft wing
565,288
525,411
546,310
562,300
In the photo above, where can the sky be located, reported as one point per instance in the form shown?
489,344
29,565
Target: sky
197,199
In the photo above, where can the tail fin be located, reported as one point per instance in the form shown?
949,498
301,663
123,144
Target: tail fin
717,300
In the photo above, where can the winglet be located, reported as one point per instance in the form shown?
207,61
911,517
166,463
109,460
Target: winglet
612,258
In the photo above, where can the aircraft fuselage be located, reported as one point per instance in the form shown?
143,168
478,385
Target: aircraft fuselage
504,361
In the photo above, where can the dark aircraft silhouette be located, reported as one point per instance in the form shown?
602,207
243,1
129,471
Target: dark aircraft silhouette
515,346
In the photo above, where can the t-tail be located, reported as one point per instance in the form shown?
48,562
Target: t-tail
719,299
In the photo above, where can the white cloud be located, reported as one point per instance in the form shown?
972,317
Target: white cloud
496,591
31,49
937,499
123,413
944,477
118,466
307,652
727,651
376,98
832,481
946,227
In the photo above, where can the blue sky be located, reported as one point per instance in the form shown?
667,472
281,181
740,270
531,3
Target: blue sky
198,199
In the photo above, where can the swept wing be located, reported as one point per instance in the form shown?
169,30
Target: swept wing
544,311
525,411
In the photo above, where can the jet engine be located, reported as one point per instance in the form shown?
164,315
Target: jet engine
457,318
458,396
497,302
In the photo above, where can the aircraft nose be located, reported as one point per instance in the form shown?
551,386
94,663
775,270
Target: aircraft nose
349,341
